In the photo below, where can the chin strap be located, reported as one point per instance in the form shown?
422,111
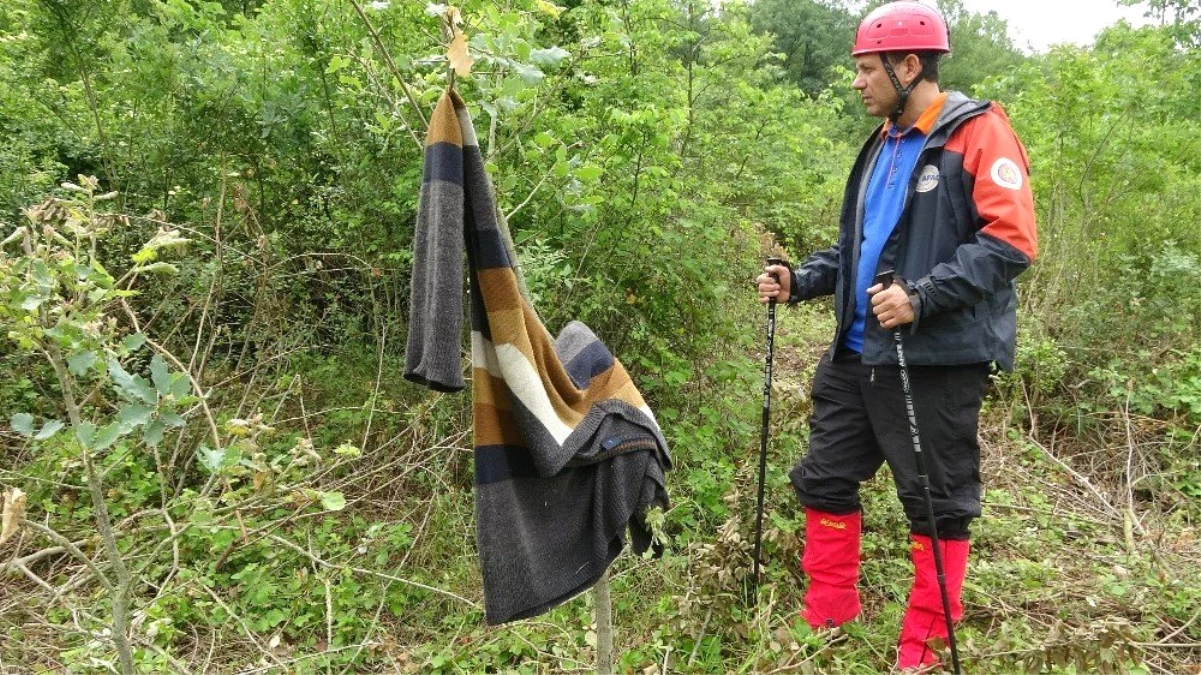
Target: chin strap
902,92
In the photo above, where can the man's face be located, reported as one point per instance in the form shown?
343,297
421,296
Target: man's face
873,85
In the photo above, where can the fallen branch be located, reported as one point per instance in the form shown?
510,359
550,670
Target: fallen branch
1080,478
25,561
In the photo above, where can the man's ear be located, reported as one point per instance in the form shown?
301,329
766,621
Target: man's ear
912,67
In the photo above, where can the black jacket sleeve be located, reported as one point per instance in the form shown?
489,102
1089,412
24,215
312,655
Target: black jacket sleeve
816,276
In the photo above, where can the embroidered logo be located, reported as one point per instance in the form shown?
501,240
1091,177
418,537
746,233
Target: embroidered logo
927,180
1006,173
832,523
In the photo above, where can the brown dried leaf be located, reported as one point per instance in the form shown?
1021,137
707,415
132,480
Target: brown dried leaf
460,60
14,513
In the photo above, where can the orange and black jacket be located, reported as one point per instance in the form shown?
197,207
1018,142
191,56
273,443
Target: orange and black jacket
964,235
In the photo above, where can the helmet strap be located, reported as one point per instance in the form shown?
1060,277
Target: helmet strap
902,92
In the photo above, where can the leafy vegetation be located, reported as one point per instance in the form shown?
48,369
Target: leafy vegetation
208,209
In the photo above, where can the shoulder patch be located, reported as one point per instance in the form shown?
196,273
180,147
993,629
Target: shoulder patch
927,180
1005,172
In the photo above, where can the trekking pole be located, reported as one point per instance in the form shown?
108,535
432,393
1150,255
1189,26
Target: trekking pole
771,337
887,278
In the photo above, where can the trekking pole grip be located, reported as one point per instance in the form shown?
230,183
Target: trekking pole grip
775,260
886,277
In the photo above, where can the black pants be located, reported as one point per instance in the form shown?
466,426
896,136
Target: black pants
860,421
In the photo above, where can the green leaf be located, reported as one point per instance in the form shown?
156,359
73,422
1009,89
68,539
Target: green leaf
589,172
274,617
144,256
23,424
101,277
109,435
528,74
80,362
213,460
48,430
152,434
165,268
549,57
521,50
172,419
333,501
348,450
41,274
383,121
134,415
180,385
86,433
136,388
134,342
160,374
336,63
549,8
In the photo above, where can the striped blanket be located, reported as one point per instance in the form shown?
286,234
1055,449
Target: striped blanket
567,453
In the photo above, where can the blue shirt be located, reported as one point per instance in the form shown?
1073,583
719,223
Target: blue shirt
886,190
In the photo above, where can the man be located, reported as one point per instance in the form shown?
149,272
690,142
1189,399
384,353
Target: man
939,193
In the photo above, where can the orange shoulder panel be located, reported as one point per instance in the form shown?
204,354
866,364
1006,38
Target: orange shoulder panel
997,161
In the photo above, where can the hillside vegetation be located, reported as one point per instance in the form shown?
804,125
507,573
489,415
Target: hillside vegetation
208,209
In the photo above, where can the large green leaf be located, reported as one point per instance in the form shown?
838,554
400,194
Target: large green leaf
49,429
211,459
152,434
333,501
86,433
80,362
218,460
100,276
108,435
23,424
133,415
180,385
160,374
134,342
549,57
132,386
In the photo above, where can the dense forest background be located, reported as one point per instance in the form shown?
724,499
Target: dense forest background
209,207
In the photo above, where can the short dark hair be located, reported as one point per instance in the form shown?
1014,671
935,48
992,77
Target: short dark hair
929,61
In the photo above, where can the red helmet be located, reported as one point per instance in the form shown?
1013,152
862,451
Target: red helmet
903,26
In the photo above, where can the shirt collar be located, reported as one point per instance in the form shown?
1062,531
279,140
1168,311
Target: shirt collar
924,124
